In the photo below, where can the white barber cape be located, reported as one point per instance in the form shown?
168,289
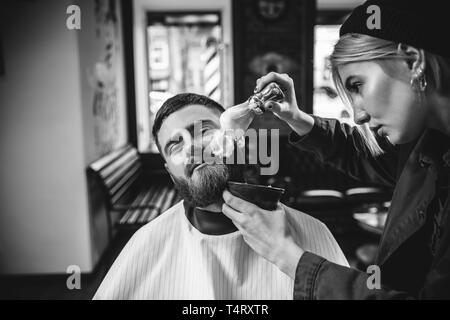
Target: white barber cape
170,259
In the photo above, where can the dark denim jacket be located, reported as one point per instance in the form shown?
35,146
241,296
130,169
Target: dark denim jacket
414,252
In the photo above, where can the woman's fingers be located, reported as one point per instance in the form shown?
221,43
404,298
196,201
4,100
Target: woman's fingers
237,217
273,106
238,203
282,79
268,233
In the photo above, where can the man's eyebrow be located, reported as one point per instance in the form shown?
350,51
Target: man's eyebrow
190,128
209,122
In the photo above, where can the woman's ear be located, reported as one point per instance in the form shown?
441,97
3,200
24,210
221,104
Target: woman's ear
416,58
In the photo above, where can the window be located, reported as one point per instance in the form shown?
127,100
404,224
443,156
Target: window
327,103
184,54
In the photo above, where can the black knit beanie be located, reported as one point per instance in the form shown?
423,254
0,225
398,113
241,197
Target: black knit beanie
423,24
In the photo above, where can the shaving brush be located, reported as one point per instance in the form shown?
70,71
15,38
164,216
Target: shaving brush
235,121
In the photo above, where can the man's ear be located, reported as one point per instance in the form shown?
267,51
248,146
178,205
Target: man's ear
167,169
416,61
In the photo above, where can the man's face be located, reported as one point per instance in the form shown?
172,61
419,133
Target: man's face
199,183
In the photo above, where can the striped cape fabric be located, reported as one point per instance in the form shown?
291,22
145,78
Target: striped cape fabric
170,259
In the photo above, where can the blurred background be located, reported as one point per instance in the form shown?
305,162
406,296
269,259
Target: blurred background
80,83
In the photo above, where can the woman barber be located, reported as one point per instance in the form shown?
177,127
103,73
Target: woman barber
397,81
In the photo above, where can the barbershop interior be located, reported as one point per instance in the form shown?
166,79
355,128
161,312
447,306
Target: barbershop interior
81,82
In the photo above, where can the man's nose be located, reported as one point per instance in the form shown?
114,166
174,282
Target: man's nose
192,147
195,149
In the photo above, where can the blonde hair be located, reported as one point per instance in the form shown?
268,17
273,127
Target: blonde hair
355,47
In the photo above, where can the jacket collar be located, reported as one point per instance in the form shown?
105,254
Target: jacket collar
434,149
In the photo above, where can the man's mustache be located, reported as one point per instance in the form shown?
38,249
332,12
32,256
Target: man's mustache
189,168
194,163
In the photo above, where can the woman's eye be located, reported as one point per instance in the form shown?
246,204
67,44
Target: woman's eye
355,87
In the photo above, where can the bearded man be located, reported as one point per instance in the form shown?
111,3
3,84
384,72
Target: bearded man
193,251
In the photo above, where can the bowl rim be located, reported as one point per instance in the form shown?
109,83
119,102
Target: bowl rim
258,186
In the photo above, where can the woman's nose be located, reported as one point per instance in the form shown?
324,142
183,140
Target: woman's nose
361,116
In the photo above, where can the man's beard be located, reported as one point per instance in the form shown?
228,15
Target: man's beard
205,186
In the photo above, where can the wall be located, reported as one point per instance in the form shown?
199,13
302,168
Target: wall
44,222
102,78
103,96
51,129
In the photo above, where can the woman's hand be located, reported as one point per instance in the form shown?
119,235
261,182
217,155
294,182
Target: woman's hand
287,110
266,232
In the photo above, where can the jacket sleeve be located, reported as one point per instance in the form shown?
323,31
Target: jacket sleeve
319,279
343,147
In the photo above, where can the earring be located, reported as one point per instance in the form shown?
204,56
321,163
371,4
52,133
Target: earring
419,81
422,83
